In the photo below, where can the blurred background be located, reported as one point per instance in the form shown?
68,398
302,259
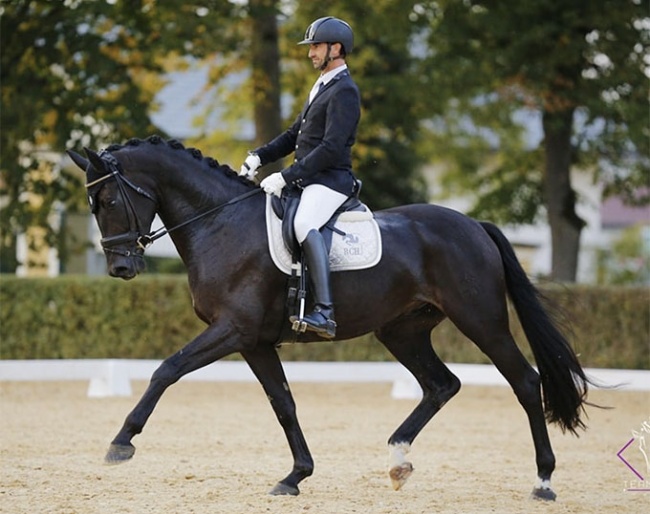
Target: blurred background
533,115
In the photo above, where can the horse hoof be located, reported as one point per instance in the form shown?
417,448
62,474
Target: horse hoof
118,453
281,489
400,474
543,494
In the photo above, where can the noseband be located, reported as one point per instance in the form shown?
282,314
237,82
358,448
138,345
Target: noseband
136,235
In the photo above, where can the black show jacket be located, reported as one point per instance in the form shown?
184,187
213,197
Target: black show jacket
321,138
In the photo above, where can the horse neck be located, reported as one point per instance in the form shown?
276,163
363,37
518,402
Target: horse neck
186,187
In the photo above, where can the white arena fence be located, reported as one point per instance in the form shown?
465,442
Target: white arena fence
112,377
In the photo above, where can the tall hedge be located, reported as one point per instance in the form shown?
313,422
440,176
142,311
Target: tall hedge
151,317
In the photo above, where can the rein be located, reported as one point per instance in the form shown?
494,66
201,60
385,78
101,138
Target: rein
143,241
148,239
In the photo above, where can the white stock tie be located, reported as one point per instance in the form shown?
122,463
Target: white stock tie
315,89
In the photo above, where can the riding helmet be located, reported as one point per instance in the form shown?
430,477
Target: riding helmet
330,30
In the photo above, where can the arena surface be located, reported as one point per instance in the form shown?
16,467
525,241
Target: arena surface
217,448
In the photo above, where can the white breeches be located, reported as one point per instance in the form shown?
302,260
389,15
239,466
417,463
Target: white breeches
317,204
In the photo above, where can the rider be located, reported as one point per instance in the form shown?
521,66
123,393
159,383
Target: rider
321,138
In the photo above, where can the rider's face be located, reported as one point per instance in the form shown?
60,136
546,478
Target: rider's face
318,53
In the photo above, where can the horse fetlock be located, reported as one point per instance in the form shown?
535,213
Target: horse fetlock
305,470
542,491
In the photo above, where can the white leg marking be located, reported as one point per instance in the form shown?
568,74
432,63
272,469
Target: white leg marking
542,490
399,469
397,454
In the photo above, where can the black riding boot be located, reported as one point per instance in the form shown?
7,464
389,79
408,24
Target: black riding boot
321,319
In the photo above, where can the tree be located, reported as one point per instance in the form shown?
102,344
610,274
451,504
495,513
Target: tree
254,62
265,64
580,65
79,73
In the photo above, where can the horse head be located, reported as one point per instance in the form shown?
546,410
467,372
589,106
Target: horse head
124,211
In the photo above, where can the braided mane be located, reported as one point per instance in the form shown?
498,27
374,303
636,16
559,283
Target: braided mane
174,144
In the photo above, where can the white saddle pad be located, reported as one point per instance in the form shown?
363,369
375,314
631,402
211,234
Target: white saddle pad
358,248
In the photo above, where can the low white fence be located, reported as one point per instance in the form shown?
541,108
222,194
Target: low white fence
112,377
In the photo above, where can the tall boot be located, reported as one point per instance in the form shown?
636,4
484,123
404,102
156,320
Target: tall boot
321,319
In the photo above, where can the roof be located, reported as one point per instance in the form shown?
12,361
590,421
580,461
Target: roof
616,214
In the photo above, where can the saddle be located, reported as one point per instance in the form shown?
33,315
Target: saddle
352,235
285,208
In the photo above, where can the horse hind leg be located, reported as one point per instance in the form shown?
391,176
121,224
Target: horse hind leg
492,335
408,339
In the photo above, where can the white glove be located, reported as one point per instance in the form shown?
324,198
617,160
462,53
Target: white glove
273,184
249,168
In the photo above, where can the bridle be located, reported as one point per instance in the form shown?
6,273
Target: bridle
136,236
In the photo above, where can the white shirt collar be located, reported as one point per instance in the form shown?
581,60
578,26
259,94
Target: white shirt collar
326,77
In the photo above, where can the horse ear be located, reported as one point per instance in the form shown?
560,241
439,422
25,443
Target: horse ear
79,160
96,161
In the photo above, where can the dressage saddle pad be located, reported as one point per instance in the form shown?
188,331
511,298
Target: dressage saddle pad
356,242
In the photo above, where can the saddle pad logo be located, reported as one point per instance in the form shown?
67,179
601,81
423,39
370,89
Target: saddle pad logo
358,246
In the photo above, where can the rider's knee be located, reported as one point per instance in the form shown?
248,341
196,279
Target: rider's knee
302,227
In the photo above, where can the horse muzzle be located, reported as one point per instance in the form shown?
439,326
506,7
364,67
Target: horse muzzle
124,255
124,267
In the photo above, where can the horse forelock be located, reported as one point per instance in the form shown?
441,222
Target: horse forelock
176,145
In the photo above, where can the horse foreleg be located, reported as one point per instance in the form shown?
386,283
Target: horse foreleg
408,339
209,346
266,365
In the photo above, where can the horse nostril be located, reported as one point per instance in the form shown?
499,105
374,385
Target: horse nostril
122,271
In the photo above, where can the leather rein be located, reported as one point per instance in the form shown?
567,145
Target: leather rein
135,234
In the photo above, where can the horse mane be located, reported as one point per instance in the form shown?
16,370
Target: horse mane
174,144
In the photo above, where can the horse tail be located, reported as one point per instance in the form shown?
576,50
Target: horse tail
564,384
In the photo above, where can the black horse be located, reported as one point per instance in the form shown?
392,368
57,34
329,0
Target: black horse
436,263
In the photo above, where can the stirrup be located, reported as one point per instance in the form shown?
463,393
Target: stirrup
298,325
326,330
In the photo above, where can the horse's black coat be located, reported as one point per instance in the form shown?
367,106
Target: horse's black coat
436,263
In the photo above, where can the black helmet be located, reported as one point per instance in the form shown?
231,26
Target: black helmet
329,30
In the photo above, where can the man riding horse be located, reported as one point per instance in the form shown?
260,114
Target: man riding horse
321,137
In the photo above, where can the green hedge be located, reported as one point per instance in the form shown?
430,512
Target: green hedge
151,317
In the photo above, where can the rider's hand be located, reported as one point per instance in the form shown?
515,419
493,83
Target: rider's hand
249,168
273,184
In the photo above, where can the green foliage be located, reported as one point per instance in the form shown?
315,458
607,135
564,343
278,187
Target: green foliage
164,265
443,80
78,317
79,73
152,317
628,259
490,60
